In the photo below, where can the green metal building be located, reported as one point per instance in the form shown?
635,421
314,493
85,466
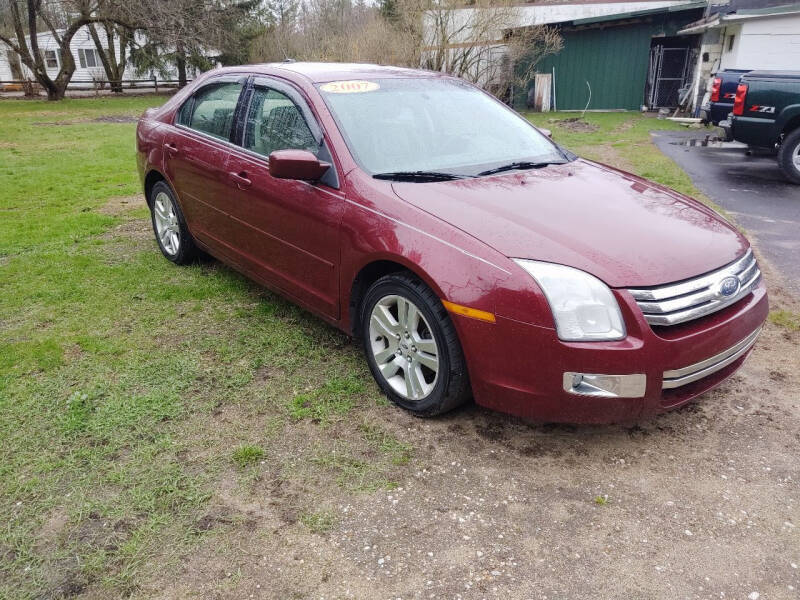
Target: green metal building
628,60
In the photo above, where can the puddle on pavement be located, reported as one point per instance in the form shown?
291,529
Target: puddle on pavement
709,141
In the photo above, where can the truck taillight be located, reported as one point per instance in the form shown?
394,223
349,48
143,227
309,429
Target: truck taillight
738,102
715,89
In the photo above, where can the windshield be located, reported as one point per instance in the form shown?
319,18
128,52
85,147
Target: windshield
427,124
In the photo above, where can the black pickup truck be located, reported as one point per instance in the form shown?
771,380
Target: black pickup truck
766,114
721,95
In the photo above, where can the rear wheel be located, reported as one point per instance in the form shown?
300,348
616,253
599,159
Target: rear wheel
412,347
169,226
789,156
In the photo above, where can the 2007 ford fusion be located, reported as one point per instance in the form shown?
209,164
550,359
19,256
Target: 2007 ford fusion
470,254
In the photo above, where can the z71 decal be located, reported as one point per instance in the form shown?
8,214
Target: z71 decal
762,109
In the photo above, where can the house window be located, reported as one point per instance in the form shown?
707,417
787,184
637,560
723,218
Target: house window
730,42
88,57
51,59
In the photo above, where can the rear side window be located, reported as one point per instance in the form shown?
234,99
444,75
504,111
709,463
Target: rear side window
274,122
211,110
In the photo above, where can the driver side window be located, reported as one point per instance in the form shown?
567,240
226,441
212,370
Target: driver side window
274,122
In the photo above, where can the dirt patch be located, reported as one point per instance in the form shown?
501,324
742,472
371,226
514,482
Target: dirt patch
137,230
608,155
116,119
101,119
625,125
128,239
52,529
575,124
122,204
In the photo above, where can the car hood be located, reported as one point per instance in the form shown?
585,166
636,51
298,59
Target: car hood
619,227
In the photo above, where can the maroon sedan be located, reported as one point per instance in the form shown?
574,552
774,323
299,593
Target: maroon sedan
469,253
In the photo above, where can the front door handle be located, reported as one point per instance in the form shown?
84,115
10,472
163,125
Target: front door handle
241,180
171,148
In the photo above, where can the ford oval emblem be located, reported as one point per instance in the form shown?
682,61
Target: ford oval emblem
728,287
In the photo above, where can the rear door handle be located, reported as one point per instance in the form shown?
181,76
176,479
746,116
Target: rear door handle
171,148
241,180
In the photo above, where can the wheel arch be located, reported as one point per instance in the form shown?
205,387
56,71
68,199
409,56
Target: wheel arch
150,180
791,125
788,120
369,273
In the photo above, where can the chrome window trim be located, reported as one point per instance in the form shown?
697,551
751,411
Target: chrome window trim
686,300
691,373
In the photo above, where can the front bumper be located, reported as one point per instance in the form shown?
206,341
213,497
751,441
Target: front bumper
520,368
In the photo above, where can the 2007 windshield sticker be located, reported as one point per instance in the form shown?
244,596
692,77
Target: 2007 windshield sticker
349,87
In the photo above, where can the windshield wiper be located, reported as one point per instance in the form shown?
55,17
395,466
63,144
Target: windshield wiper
420,176
519,165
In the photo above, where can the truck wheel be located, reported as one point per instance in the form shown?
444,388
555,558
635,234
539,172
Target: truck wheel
789,156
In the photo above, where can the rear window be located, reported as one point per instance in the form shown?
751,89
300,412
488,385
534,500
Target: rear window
211,110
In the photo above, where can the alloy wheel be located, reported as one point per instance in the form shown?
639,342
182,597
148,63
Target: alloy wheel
403,346
167,226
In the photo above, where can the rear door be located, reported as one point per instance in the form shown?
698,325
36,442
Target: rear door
286,230
196,152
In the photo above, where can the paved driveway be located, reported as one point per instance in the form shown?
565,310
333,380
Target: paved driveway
751,188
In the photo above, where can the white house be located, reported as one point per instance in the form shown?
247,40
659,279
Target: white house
762,38
88,67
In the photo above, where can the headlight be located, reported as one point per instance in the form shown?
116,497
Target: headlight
583,307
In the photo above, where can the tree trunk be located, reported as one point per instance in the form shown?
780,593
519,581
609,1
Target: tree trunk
180,62
55,92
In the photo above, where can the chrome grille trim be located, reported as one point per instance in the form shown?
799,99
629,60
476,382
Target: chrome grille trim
685,375
680,302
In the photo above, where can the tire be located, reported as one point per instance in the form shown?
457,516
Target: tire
789,156
401,350
169,226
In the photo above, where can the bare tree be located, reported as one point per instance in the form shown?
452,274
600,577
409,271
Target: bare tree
467,42
62,19
333,30
526,47
482,42
186,32
114,55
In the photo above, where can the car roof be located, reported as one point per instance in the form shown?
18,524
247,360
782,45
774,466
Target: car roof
321,72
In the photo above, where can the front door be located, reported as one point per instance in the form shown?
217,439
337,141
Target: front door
286,230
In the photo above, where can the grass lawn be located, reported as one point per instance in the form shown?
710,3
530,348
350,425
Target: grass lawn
117,369
132,391
620,139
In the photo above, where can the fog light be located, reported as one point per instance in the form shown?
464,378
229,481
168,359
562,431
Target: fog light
605,386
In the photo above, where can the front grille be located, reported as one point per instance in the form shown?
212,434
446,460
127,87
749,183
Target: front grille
686,375
691,299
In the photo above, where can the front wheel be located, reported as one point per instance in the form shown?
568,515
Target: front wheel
412,347
789,156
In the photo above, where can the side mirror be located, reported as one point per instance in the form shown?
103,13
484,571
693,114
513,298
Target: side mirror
546,132
296,164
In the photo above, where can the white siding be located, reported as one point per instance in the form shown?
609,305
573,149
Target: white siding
5,69
542,14
82,75
766,44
